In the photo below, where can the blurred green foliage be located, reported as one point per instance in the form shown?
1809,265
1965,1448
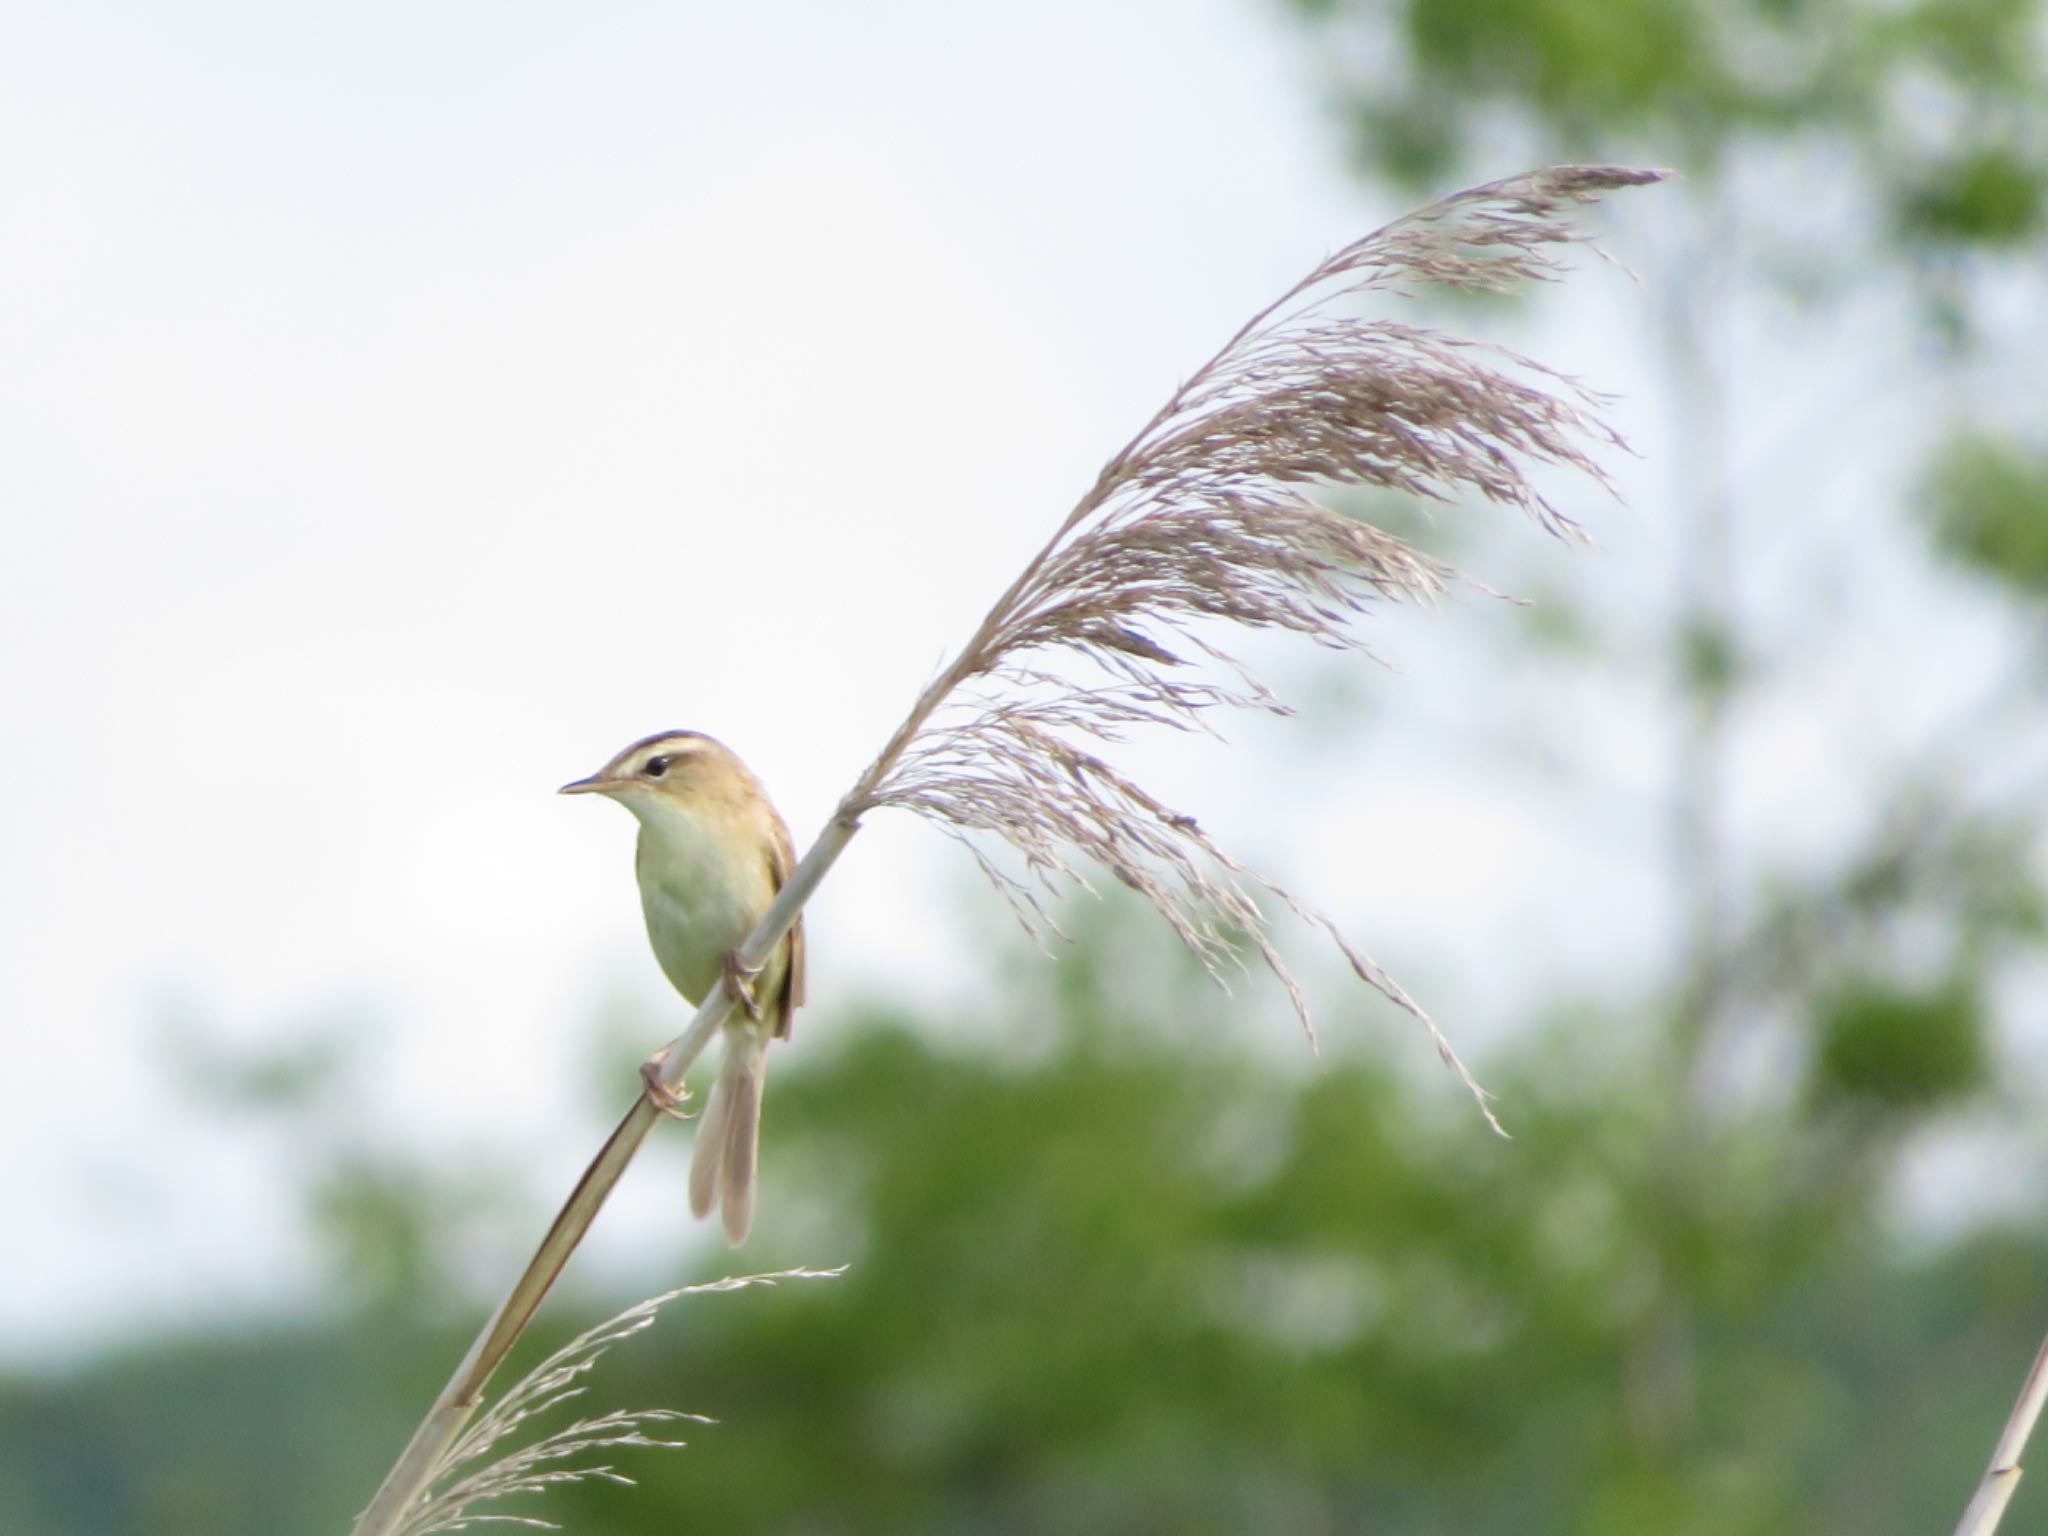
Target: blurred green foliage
1894,1048
1115,1269
1988,195
1986,498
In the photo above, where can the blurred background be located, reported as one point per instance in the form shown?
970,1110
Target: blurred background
406,406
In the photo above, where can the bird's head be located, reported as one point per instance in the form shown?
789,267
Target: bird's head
674,770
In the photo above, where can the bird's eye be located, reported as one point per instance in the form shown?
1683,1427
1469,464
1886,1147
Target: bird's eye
656,767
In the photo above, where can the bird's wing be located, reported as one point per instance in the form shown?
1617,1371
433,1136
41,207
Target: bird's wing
781,864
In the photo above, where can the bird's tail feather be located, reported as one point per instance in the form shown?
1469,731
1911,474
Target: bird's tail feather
722,1166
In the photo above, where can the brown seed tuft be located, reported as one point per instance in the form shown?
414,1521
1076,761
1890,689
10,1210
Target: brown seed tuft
1210,513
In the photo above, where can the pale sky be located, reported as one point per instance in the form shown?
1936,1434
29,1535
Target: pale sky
405,406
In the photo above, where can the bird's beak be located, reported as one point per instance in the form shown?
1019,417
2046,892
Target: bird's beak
596,784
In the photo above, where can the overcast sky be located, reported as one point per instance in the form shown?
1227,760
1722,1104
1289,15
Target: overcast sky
405,406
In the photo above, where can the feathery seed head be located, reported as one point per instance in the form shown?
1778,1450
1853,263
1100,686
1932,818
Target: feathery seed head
1210,513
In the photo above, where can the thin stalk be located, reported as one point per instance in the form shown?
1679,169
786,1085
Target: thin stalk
2002,1477
408,1480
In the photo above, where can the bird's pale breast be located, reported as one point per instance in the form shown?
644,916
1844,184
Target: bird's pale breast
701,895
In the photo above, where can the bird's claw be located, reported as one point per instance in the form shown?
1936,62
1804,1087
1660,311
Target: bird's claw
739,981
664,1098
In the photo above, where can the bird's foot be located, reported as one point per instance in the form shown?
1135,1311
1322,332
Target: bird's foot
664,1098
739,981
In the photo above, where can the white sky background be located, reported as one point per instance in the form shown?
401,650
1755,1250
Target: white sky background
407,405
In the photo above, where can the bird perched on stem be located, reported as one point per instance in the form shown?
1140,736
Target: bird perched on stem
712,854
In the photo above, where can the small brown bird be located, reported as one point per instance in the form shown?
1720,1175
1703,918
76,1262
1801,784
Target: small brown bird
712,854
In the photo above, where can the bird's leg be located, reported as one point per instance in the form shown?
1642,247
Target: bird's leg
668,1100
739,981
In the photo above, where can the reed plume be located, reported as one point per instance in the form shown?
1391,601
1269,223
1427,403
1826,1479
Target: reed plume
561,1456
1210,517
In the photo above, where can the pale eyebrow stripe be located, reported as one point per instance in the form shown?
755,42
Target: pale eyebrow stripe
671,746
